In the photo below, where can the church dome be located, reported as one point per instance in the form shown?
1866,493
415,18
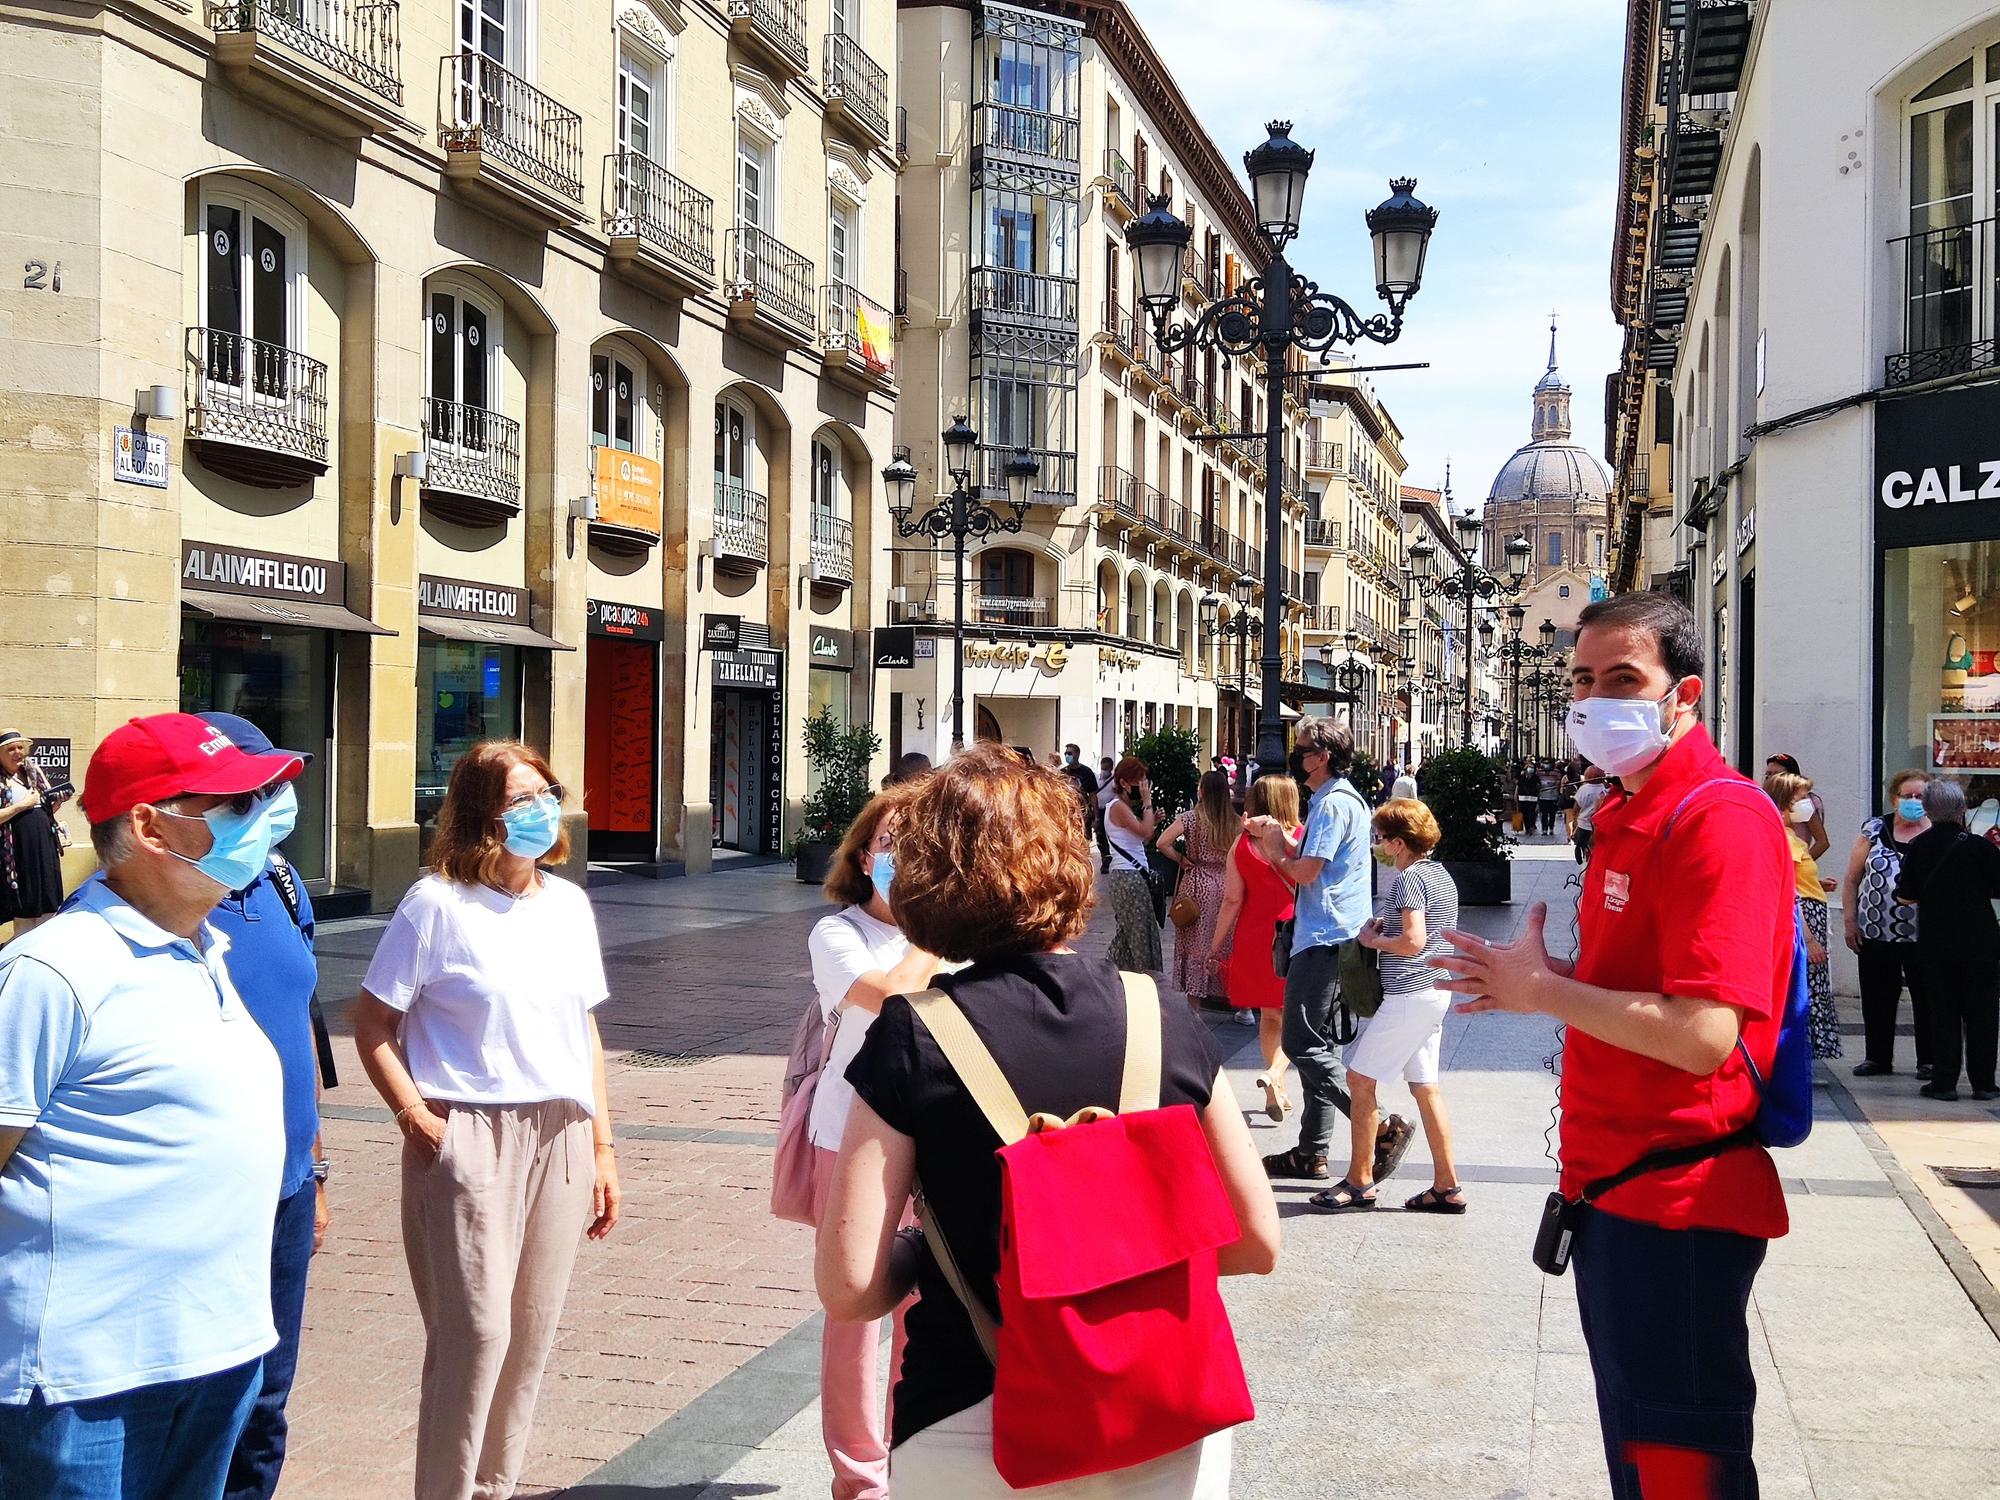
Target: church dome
1551,467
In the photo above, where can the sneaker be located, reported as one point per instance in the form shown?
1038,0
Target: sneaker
1392,1144
1296,1163
1246,1018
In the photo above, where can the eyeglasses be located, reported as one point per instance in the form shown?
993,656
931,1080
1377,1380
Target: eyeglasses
553,791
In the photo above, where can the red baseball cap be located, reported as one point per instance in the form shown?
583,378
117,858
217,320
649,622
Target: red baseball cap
173,755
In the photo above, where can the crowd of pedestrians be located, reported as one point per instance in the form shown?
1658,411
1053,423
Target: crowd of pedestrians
1029,1161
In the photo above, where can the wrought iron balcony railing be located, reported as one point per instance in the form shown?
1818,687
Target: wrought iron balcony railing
773,274
256,394
472,452
860,327
643,200
487,109
830,548
999,292
742,526
1124,184
1323,534
360,42
779,24
1949,313
850,77
1026,132
1323,457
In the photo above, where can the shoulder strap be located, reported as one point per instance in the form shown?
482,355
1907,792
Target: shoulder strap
1672,1156
974,1065
1139,1089
287,886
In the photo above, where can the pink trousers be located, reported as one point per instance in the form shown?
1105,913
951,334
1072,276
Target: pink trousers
851,1422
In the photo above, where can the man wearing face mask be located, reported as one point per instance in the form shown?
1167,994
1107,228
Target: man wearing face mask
269,924
139,1115
1685,938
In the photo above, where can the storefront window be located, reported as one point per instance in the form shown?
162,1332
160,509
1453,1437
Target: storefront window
827,689
279,677
466,692
1941,662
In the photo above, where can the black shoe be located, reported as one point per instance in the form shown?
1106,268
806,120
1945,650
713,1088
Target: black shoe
1871,1069
1939,1091
1923,1070
1982,1095
1392,1144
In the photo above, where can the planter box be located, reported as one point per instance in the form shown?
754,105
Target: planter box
1482,883
813,861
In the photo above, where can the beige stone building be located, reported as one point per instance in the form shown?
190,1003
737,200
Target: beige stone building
1035,132
399,374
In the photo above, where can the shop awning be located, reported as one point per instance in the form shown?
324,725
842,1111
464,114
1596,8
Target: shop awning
308,612
1285,710
487,633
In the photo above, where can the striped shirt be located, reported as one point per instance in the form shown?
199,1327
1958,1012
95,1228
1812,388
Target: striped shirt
1427,887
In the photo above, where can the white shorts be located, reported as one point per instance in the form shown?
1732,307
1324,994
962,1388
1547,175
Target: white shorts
953,1460
1402,1039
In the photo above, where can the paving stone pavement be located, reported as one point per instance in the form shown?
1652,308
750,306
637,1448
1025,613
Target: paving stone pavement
1391,1355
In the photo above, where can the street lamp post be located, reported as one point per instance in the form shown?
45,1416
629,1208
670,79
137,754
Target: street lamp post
958,516
1240,626
1468,585
1277,312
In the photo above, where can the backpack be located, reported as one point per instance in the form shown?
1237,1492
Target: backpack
1112,1347
792,1165
1785,1098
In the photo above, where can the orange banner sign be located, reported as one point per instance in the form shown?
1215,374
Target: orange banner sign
628,490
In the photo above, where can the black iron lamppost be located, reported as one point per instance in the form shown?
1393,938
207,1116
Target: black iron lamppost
1277,312
958,516
1517,652
1468,584
1406,665
1241,626
1347,678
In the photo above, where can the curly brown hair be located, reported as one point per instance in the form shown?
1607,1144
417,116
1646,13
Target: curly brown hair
470,843
991,859
847,883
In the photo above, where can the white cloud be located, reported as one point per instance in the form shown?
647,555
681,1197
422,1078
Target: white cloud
1506,112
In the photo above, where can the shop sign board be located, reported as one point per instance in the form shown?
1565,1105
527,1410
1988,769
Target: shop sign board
1937,467
628,490
54,758
631,622
267,575
832,649
1051,657
759,671
721,632
1746,531
138,458
896,646
463,599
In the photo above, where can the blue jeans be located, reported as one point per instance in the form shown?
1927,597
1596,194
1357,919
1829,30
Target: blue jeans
260,1451
1665,1317
157,1442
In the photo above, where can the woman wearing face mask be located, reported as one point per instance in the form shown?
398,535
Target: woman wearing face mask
491,969
1793,794
1882,931
859,959
1129,823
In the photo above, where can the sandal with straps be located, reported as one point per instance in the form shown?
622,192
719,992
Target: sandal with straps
1433,1200
1346,1198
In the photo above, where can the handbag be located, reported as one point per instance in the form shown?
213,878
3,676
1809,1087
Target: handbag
1183,911
1360,978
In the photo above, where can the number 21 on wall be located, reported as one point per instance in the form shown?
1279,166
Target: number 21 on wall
40,276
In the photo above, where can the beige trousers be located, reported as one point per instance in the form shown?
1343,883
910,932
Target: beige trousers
491,1226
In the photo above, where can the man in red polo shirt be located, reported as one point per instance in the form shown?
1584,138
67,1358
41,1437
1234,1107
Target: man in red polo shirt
1685,948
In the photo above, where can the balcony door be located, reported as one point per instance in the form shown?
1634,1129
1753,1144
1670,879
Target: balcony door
1006,587
464,359
492,42
844,17
756,185
1950,269
253,268
614,401
735,447
826,481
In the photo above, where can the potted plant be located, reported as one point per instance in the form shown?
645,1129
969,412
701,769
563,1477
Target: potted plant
1465,793
837,759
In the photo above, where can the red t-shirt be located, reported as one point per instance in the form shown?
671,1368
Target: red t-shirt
1706,913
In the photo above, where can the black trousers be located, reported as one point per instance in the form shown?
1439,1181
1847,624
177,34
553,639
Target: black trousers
1581,845
1965,1019
1103,840
1549,811
1665,1317
1886,968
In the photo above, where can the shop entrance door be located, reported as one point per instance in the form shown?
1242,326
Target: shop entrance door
621,747
745,757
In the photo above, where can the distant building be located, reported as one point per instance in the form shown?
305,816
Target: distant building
1553,492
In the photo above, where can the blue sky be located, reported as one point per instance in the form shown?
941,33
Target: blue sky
1506,113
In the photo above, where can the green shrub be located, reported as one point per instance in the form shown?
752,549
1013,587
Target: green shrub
1366,777
1173,759
1464,791
837,760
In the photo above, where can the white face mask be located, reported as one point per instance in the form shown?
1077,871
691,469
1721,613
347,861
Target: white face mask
1802,812
1622,735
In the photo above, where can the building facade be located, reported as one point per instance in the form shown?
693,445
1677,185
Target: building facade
1831,484
407,374
1035,143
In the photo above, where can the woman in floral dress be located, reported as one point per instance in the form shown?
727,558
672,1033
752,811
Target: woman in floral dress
1210,830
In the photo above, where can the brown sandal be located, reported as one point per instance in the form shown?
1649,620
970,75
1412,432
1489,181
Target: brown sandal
1296,1163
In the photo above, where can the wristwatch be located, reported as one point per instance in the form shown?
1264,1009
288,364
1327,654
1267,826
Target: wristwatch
321,1171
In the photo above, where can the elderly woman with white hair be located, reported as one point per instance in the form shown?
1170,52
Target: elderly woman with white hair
31,886
1953,878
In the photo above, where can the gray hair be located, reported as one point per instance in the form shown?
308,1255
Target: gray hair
1944,801
113,839
1328,736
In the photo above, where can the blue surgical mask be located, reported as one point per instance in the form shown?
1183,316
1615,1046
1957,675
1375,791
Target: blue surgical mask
1910,809
883,872
532,830
241,844
284,814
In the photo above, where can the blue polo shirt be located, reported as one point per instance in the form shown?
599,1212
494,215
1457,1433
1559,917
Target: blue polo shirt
135,1214
271,960
1332,908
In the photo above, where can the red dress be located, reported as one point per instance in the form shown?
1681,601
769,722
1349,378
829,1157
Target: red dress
1267,900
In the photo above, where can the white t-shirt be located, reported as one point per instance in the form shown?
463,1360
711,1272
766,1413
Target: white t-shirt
843,947
1404,786
496,990
1588,796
